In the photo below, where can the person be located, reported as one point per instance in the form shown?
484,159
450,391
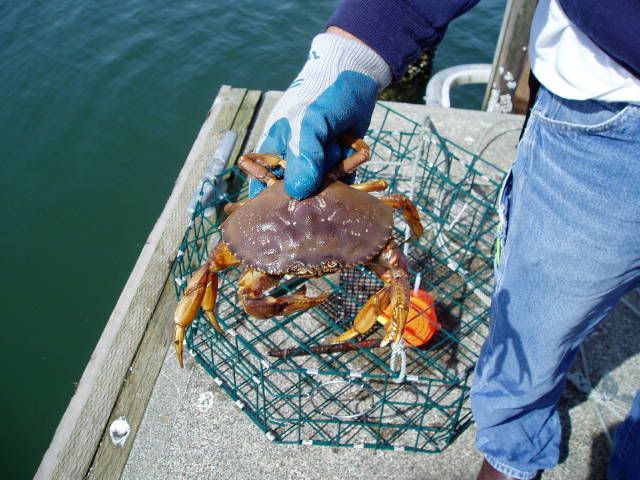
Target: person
569,209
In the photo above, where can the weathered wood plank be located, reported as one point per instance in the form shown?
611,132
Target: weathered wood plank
132,401
110,459
269,99
81,428
507,89
243,121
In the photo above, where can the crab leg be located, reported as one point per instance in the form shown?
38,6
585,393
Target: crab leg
231,207
366,318
254,283
391,266
349,164
268,160
409,211
371,186
201,291
248,164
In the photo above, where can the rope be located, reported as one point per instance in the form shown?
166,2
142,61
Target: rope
399,350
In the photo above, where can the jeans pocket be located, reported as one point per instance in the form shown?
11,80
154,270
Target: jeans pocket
581,115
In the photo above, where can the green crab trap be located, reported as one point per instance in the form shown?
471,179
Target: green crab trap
299,392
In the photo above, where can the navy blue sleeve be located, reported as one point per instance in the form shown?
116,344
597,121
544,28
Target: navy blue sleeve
399,31
613,26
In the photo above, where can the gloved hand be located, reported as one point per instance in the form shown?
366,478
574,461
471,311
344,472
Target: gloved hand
334,94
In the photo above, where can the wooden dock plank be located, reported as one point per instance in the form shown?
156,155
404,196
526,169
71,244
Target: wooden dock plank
132,401
82,426
269,100
243,122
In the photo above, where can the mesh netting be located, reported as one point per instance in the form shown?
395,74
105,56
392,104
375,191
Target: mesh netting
353,398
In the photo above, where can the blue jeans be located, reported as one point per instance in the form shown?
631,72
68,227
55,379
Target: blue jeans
570,234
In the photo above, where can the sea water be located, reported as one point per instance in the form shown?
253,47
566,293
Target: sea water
99,105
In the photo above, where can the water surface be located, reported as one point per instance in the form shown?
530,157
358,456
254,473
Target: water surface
99,105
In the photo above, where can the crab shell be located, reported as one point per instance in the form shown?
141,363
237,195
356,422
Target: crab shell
336,228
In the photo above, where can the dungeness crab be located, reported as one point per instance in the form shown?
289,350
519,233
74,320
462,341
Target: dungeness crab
274,235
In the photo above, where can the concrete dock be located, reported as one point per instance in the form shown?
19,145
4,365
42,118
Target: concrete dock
184,426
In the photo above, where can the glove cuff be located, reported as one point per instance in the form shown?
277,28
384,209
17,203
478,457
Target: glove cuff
347,54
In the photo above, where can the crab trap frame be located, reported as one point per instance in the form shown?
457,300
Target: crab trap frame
352,397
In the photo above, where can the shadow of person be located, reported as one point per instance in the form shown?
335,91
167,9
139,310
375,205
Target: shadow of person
607,363
600,454
564,405
608,350
509,335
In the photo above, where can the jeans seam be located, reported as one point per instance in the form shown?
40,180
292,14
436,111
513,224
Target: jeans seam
516,188
619,117
509,470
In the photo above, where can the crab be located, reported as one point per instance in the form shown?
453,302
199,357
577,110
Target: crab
274,235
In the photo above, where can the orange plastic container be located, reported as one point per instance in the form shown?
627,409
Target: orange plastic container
422,322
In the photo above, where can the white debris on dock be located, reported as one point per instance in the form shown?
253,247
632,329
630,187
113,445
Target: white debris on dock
205,401
119,431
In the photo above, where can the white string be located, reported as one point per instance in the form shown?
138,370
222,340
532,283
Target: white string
399,349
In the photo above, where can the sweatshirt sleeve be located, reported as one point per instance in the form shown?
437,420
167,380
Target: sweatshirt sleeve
398,30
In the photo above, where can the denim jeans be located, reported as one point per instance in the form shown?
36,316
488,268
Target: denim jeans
570,235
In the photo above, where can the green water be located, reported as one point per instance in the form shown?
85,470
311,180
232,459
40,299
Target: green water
99,105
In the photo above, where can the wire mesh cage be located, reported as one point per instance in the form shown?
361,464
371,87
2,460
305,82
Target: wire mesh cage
352,397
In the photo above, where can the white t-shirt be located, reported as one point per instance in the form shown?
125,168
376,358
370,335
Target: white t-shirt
570,65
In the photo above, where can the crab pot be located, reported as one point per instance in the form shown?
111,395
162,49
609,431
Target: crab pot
353,398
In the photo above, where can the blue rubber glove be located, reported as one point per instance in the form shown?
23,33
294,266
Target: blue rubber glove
334,94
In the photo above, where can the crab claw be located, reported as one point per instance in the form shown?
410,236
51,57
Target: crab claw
399,292
209,301
366,318
395,328
198,288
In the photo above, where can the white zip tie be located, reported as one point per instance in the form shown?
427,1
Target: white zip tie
308,443
407,236
399,448
355,374
270,436
255,379
312,371
232,332
265,364
179,254
416,284
239,404
359,446
413,378
218,381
